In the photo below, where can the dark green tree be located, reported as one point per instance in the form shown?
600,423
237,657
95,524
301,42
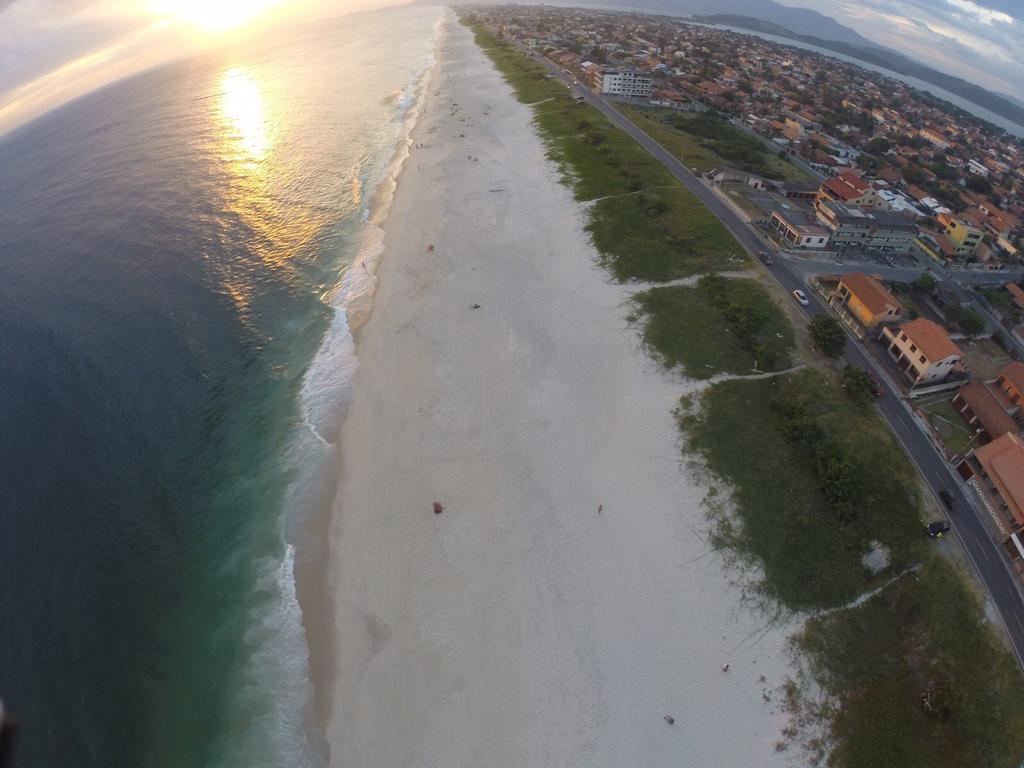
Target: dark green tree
924,282
857,384
828,335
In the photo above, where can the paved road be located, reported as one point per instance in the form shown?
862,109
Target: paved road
986,554
813,266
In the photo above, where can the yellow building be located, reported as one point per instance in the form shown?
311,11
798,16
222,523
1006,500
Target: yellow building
964,237
868,300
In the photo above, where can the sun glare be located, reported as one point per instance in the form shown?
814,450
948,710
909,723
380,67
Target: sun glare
212,15
244,114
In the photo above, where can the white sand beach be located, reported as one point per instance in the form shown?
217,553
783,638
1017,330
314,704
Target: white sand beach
522,626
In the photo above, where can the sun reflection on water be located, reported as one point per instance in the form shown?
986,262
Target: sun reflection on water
244,113
258,210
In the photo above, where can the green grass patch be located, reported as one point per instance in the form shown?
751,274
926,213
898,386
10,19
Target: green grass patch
917,679
950,425
662,234
684,146
705,141
721,325
644,222
827,480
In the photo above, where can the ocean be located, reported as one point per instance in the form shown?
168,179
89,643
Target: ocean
177,252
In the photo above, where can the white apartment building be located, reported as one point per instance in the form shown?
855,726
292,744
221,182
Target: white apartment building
621,82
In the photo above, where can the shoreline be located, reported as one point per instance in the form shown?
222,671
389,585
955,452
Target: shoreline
353,298
498,376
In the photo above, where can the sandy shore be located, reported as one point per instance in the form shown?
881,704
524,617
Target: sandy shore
523,626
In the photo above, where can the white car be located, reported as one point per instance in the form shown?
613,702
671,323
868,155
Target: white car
801,297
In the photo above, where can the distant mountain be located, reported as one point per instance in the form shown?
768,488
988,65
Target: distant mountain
880,57
802,21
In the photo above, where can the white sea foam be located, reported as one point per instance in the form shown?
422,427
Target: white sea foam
279,661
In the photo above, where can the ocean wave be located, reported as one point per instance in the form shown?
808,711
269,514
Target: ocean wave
279,664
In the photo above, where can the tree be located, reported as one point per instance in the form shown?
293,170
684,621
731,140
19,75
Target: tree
828,335
979,184
857,384
914,174
970,322
879,146
925,282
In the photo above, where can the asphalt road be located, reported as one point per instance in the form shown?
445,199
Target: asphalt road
986,554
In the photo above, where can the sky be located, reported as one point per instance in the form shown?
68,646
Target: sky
982,42
54,50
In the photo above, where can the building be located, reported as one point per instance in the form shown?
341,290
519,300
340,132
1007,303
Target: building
964,237
936,246
986,410
1000,467
722,176
923,351
1016,294
1011,381
935,138
868,300
850,189
877,230
795,229
621,82
800,190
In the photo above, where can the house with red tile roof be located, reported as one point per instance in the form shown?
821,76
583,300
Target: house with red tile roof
1000,467
923,351
984,407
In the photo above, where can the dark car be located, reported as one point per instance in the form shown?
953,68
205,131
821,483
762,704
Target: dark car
765,258
876,388
937,529
947,498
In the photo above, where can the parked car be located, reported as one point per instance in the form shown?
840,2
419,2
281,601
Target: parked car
801,297
890,261
876,387
947,498
937,529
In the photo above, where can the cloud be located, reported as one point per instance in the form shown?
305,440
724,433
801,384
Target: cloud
980,43
983,15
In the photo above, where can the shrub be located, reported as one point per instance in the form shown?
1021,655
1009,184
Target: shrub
857,384
828,335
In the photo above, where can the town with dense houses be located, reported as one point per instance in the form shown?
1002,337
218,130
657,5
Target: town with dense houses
889,167
877,172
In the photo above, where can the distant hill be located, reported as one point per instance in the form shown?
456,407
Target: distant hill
801,21
881,57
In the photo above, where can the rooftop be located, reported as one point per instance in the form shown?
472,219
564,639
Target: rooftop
931,338
1014,373
1003,462
986,405
871,293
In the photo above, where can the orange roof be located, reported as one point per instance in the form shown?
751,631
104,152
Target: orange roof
840,190
1003,462
931,338
871,293
855,181
988,409
1014,373
1016,294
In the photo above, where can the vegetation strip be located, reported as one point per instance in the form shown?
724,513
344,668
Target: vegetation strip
645,224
